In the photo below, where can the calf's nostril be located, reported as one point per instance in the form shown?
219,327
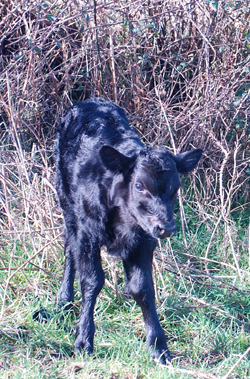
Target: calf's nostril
161,229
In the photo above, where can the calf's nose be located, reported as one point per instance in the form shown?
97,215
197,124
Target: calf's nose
165,230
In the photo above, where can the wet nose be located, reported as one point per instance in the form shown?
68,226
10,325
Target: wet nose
165,230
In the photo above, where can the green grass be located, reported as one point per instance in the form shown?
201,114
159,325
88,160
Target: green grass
183,82
207,321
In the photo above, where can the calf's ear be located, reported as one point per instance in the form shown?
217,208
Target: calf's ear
186,162
114,160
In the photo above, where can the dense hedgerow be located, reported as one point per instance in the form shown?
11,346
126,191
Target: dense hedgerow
181,71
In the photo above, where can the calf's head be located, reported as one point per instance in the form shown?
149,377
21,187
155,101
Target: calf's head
147,184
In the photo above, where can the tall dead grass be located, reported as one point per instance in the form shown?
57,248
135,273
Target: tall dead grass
179,68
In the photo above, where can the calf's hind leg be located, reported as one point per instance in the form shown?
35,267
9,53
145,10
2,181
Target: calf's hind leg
91,276
138,268
66,292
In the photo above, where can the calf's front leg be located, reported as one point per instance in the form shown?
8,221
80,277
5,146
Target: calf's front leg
138,268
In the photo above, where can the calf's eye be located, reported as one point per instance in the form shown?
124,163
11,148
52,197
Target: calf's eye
138,186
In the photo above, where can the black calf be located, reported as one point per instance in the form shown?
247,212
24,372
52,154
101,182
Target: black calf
114,192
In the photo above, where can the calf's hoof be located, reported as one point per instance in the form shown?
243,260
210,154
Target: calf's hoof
81,346
41,315
163,357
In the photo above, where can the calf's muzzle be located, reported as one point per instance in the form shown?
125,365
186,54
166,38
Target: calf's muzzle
165,230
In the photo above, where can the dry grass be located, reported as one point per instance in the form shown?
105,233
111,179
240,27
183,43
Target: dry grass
181,70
